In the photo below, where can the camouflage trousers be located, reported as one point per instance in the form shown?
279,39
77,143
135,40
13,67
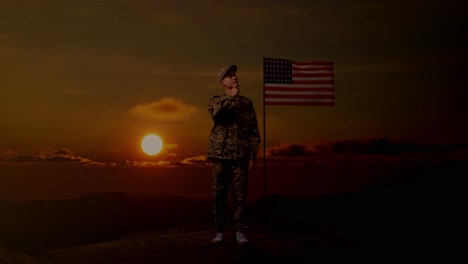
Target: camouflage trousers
229,175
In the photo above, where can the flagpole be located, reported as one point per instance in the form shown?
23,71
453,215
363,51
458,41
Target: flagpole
264,133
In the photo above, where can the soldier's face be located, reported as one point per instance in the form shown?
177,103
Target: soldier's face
230,80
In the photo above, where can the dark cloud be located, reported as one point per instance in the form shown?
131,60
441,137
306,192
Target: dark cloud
48,159
54,156
64,156
384,146
290,151
372,146
27,159
63,152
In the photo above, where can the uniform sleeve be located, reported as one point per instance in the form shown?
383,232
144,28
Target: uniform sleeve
254,134
218,105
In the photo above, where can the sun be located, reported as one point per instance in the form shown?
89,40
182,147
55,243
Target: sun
151,144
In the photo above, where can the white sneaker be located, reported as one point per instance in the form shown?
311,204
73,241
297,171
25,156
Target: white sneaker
218,238
240,237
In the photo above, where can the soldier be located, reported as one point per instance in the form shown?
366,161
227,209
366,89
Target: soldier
233,145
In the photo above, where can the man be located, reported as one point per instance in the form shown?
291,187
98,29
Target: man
233,145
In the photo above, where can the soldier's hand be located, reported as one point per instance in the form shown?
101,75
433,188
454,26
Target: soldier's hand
235,90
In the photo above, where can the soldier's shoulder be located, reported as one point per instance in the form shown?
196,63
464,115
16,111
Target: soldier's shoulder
215,96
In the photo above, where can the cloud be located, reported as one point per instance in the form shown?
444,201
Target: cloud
50,156
290,151
168,108
196,161
199,161
6,154
370,147
67,157
146,164
384,146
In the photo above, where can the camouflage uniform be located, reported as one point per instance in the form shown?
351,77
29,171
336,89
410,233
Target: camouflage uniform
234,140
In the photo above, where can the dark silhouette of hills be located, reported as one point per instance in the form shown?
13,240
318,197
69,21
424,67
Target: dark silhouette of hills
418,218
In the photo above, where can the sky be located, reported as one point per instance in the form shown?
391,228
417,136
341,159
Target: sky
84,81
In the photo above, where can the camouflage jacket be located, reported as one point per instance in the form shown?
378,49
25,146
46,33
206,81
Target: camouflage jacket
235,133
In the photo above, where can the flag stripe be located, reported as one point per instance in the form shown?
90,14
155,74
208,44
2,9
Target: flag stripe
313,82
328,63
272,86
300,92
311,68
297,79
307,74
310,72
298,100
302,103
295,96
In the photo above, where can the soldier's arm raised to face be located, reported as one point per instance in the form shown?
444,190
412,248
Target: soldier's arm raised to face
218,105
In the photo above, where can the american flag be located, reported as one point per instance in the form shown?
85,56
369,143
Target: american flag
289,82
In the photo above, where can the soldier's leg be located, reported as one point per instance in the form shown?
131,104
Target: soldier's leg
220,192
239,189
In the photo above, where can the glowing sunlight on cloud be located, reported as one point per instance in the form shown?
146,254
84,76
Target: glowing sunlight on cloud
196,161
199,161
167,108
148,164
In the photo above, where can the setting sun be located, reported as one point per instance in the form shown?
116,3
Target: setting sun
151,144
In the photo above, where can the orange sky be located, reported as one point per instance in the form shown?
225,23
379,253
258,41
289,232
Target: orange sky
85,81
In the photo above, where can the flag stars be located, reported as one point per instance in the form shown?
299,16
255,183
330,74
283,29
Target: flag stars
277,71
